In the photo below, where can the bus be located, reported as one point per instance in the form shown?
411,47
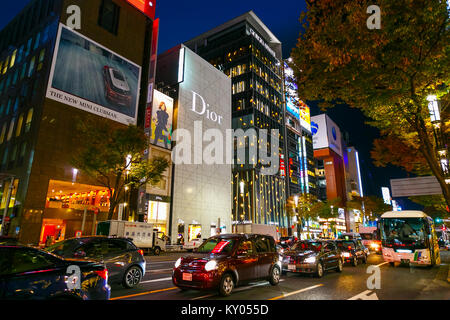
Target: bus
409,237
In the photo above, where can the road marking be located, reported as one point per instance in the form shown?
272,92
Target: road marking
381,264
366,295
236,290
156,280
158,270
143,293
295,292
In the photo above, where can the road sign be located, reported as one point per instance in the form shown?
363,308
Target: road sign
420,186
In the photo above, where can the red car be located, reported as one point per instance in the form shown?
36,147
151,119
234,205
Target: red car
117,89
225,261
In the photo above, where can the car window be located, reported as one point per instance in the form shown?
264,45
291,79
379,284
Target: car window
346,244
262,244
115,246
220,245
329,246
63,248
24,260
131,246
246,245
92,248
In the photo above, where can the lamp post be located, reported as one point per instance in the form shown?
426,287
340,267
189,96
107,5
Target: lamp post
439,136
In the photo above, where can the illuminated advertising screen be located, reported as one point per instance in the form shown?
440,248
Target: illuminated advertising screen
90,77
305,116
162,119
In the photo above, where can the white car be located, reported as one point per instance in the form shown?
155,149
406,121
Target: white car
193,244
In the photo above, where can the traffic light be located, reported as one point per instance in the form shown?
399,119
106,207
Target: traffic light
438,220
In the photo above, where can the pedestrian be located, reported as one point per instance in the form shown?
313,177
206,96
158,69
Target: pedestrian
161,125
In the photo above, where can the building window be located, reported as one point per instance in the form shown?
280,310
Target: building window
41,59
11,129
2,136
5,157
13,157
109,16
29,119
31,69
23,149
19,125
13,59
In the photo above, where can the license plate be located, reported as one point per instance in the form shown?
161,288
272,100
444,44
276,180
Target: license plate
187,276
292,267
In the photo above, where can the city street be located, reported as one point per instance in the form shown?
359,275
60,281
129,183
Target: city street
397,283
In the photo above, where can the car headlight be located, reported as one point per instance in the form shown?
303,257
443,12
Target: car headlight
310,260
346,254
177,264
211,265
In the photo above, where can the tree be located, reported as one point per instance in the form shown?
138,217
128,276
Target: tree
371,206
387,73
328,210
112,155
434,205
303,210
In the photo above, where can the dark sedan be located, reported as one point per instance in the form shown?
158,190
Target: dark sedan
32,274
313,257
352,251
124,261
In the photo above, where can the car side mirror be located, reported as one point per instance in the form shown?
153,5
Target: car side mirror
80,254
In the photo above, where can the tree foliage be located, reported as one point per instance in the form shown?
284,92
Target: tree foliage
434,205
371,206
387,73
112,156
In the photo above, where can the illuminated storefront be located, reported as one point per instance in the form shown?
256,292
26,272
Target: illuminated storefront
158,212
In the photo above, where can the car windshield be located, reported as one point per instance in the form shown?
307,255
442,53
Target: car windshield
63,248
118,75
367,236
345,244
216,245
403,230
307,245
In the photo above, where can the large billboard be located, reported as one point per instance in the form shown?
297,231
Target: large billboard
90,77
294,105
162,119
326,134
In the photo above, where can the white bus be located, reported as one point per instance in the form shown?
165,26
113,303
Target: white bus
409,237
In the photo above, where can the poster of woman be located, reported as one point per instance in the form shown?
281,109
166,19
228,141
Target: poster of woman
162,119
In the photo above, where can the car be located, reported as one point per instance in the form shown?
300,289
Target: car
349,236
31,274
312,257
193,244
352,251
117,89
286,242
125,262
5,240
225,261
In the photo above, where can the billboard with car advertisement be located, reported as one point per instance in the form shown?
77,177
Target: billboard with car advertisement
90,77
162,119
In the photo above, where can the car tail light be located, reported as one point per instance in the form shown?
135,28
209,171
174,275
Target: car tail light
141,252
103,274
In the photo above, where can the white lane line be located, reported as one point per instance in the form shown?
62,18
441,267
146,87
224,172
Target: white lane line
157,280
365,295
381,264
158,270
295,292
236,290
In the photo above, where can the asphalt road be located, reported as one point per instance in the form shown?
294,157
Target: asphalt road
396,283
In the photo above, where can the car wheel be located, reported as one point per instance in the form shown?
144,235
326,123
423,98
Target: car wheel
275,276
355,261
226,285
132,277
340,266
392,264
157,251
319,271
365,259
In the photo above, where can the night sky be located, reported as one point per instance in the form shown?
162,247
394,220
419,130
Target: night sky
183,20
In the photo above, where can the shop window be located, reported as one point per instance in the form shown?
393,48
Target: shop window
29,120
19,125
109,16
2,136
11,129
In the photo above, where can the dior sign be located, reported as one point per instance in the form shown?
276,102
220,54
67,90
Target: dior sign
200,107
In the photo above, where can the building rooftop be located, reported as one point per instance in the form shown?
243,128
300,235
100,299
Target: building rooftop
253,20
